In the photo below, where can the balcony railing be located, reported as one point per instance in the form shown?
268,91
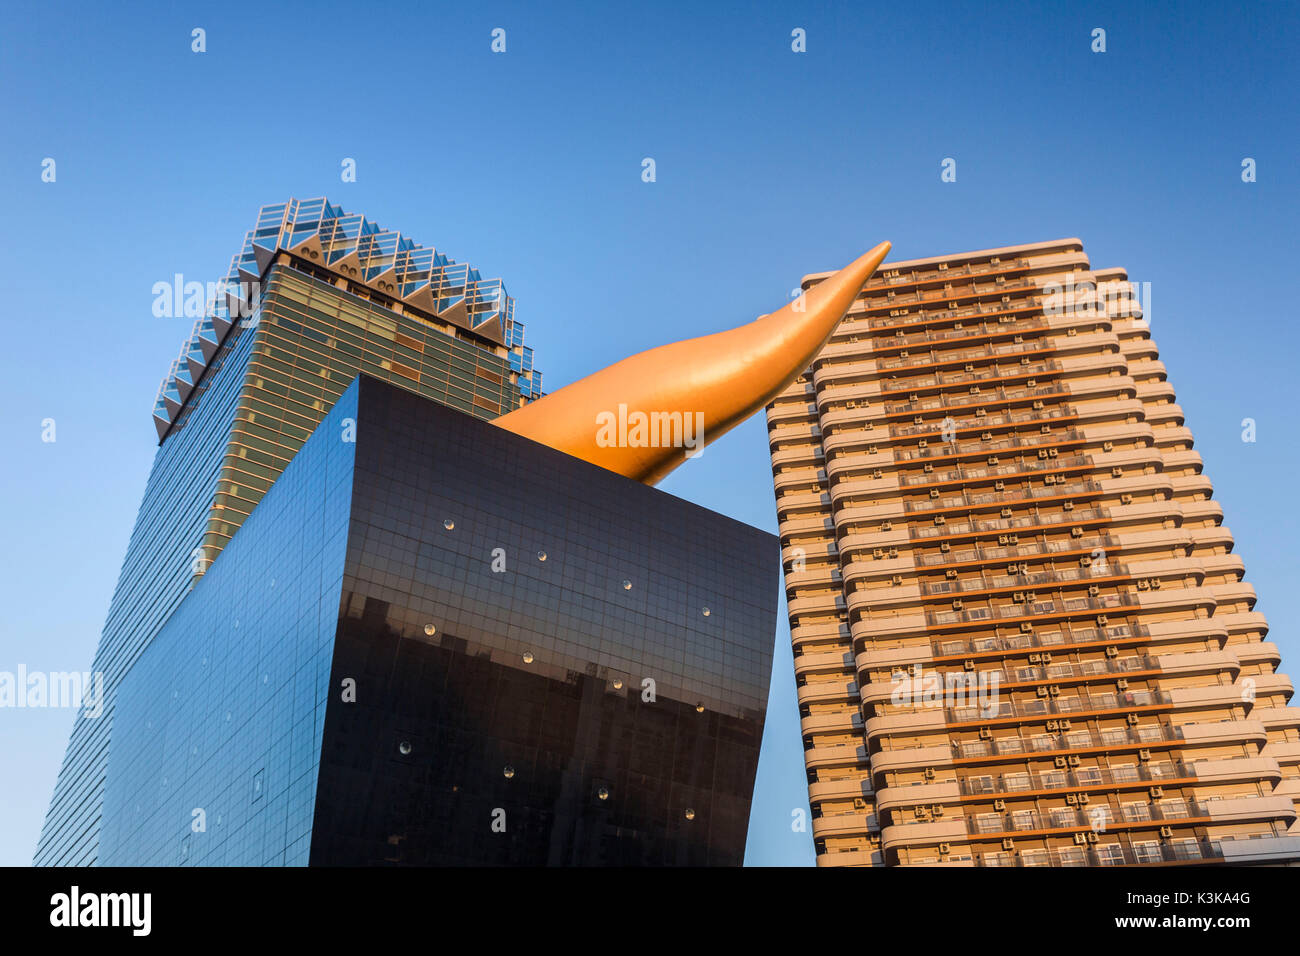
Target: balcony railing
967,378
1068,740
1081,702
1000,394
1036,520
992,582
1110,854
988,421
975,472
1037,639
1084,777
970,499
987,447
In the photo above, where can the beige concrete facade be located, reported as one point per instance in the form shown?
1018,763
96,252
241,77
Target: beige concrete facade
1020,634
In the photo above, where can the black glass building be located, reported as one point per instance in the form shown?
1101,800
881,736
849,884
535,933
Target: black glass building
433,642
314,296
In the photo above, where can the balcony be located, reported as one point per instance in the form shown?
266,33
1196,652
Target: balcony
1037,639
971,500
990,397
992,785
1078,516
1047,606
1004,582
1189,850
978,553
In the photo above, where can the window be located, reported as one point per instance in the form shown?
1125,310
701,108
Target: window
1035,858
1148,852
1015,781
1024,820
1136,811
1110,854
1063,816
1174,808
1073,856
1088,775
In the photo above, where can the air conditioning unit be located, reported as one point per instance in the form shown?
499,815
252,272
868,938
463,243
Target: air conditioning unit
1018,597
1112,650
1041,691
1132,719
927,468
1081,839
1093,590
934,492
1002,539
968,665
1071,799
940,519
944,547
1126,499
950,574
872,449
1038,405
893,552
986,733
922,443
999,485
1156,792
1122,683
1053,452
859,803
1091,837
992,459
957,605
1117,472
1042,453
1166,832
969,368
1008,843
1085,561
999,804
877,474
878,553
929,773
1053,724
1067,506
1065,724
944,848
1084,798
1144,754
1073,761
1005,512
1108,446
1076,532
886,526
1102,620
897,579
1060,761
1026,627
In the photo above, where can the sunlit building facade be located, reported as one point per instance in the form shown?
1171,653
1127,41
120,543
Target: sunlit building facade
1021,636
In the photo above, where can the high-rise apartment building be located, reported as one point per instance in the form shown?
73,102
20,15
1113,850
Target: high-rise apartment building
1020,635
314,297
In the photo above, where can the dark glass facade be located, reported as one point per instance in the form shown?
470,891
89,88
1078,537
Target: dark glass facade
328,295
531,661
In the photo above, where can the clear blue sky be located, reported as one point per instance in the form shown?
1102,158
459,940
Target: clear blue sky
770,165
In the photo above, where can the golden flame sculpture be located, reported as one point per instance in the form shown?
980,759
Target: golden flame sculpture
637,417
